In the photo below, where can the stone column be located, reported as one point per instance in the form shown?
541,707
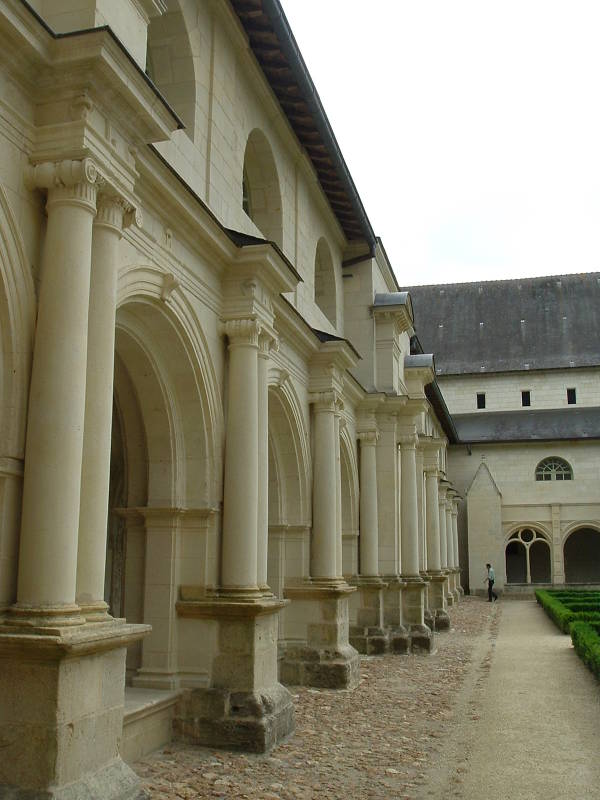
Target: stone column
266,343
437,595
239,573
413,602
444,542
369,550
459,587
95,471
338,494
450,547
66,683
325,503
53,454
367,633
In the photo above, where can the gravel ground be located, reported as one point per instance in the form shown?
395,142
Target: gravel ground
378,741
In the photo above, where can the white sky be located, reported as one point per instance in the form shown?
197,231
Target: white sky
471,128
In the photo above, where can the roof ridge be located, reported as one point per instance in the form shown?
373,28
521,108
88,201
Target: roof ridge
500,280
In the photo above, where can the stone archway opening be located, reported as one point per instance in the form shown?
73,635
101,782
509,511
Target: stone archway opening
325,286
528,557
582,556
516,562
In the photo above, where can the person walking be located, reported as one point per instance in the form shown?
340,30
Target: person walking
490,578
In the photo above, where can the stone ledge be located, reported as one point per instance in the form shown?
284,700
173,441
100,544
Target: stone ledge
211,608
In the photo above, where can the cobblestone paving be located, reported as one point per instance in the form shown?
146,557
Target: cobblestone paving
375,742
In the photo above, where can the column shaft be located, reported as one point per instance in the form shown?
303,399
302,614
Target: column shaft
324,544
240,489
338,498
95,471
433,522
455,534
449,536
50,521
409,510
263,461
443,540
369,550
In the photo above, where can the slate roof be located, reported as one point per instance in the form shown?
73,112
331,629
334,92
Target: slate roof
529,425
503,326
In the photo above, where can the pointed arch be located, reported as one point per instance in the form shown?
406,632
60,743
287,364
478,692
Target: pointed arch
261,192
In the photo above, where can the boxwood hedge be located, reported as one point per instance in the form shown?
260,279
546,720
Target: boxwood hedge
586,640
563,614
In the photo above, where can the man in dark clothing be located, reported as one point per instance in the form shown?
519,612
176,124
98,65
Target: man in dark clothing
491,577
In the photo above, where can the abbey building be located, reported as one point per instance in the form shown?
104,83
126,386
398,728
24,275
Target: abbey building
226,462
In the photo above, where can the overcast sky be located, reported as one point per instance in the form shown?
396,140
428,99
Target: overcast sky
471,128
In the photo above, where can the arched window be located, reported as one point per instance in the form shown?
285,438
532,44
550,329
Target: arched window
528,558
170,64
553,469
325,294
261,195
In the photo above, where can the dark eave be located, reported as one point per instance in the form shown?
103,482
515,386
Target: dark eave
279,57
532,425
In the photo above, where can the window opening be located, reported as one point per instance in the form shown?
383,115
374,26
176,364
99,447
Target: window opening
571,397
553,469
246,205
527,557
526,397
480,399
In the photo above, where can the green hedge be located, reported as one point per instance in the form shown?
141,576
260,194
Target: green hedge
586,640
560,613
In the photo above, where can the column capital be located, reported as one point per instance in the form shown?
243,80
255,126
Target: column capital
368,438
242,332
268,342
61,174
326,401
431,471
114,211
408,441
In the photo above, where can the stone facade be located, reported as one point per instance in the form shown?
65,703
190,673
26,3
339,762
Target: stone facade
222,469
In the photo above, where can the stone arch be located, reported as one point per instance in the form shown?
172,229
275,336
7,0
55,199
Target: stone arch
170,63
528,554
350,499
581,551
261,192
289,482
325,281
17,322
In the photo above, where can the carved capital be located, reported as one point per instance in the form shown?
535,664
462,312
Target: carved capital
431,471
267,343
408,441
243,332
68,182
325,401
368,438
110,212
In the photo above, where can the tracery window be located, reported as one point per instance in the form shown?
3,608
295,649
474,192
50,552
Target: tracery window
553,469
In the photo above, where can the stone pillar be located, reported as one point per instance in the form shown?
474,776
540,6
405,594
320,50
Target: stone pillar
239,571
459,587
558,554
413,593
320,606
266,343
53,453
444,543
325,492
338,495
450,547
95,470
437,594
62,709
367,633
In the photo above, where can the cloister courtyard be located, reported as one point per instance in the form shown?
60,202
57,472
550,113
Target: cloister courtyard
503,708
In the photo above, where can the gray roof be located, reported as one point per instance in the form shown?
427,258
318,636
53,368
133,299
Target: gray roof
391,299
502,326
529,425
420,361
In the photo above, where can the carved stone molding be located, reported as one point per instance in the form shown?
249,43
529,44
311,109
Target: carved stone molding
243,332
326,401
368,438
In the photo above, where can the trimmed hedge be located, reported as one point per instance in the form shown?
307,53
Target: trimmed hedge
561,614
586,640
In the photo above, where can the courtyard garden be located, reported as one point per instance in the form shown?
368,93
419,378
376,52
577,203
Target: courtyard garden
577,613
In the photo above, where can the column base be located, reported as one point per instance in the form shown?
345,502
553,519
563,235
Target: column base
323,656
367,633
392,614
413,614
245,708
61,712
437,601
422,639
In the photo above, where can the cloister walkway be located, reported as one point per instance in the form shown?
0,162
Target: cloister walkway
529,726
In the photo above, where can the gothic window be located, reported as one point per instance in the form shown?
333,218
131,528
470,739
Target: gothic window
553,469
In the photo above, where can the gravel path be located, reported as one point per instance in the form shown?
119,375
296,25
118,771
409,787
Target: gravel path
503,709
379,741
536,712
